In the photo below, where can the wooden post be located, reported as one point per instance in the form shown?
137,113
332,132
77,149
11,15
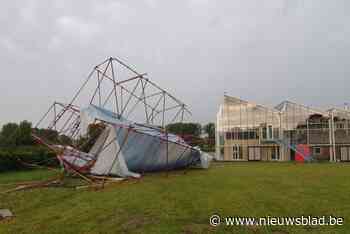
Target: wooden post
333,136
167,151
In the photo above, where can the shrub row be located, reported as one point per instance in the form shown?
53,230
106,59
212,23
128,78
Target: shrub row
10,158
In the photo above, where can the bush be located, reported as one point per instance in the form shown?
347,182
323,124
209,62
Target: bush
10,157
207,148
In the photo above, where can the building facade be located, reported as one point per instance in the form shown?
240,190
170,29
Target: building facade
246,131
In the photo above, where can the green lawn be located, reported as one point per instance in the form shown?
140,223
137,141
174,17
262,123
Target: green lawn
182,203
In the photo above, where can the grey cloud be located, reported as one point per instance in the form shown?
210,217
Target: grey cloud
198,49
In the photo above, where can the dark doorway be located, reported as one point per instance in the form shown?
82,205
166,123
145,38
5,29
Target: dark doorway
292,155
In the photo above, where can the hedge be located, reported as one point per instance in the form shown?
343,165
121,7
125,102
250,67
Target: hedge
10,157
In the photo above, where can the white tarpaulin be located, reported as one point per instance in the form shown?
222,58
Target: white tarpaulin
128,149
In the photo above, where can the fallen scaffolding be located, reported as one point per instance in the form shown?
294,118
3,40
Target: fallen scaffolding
130,114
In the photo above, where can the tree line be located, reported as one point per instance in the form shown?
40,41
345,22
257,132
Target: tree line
194,129
17,144
13,134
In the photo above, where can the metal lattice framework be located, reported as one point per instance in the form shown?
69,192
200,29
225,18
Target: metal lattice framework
293,114
118,87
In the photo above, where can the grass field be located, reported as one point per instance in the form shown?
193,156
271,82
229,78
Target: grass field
183,202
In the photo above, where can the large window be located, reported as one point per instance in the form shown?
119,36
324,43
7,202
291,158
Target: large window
340,126
254,153
275,153
270,132
246,134
264,133
267,132
236,152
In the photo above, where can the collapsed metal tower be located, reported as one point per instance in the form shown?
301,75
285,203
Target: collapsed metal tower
118,87
115,125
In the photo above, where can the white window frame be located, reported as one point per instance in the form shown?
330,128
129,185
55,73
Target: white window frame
236,152
340,126
269,134
276,153
314,150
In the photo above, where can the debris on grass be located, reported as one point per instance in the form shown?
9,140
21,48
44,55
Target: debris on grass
35,184
77,182
5,214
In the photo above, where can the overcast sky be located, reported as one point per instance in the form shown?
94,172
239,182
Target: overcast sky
264,51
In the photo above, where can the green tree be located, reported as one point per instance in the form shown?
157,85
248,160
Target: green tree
48,135
210,130
8,134
13,134
24,133
65,140
193,129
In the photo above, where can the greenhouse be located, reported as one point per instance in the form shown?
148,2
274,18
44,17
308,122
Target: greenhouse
247,131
